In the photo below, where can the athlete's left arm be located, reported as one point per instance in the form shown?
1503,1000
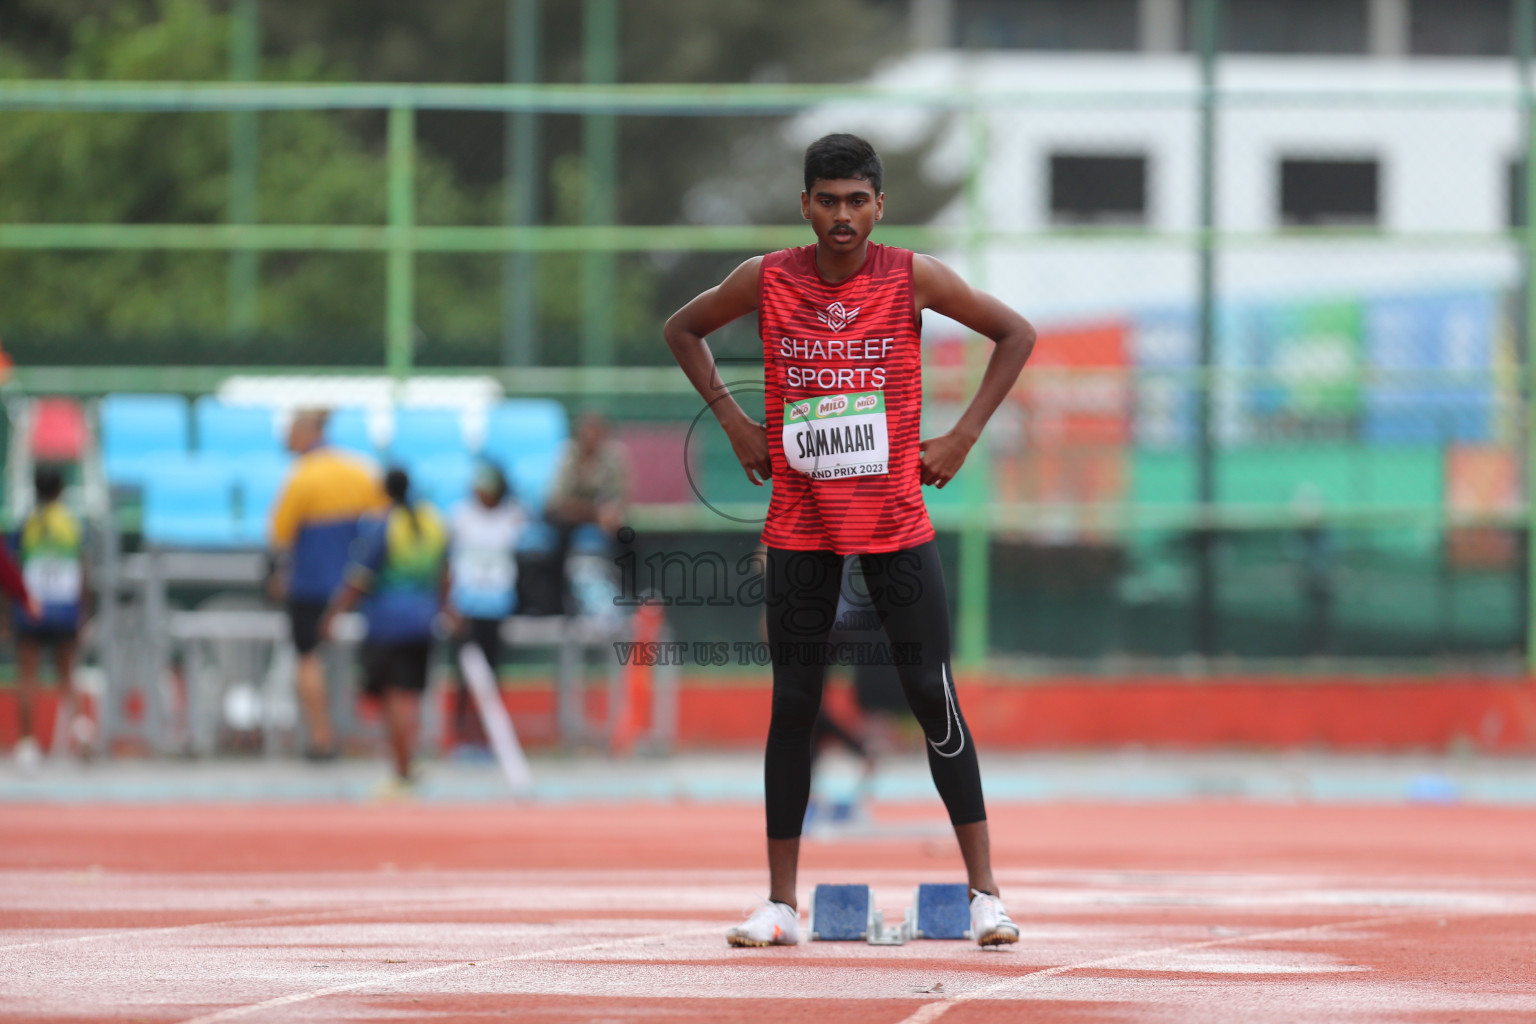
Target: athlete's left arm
367,559
942,290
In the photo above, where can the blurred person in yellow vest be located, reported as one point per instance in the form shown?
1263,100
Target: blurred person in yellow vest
49,552
314,522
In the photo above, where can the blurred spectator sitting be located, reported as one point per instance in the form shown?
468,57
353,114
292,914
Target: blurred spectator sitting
48,547
397,569
591,481
314,522
483,537
586,508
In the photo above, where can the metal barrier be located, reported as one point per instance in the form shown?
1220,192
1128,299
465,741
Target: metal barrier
181,664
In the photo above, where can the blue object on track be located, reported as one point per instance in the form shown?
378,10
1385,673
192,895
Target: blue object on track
943,911
1433,789
840,912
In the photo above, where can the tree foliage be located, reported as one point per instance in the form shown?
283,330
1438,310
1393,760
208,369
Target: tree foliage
320,167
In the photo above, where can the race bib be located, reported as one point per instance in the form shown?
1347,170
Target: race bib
832,436
53,580
484,571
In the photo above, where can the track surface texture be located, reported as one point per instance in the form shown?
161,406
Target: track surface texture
1196,912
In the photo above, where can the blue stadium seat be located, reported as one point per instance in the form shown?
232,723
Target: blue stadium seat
348,429
189,502
444,480
236,430
422,434
533,474
260,480
138,431
524,426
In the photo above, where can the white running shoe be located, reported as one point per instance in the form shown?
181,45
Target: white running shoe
990,922
28,755
772,924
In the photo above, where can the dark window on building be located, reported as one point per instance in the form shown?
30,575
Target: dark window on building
1287,26
1514,193
1460,28
1329,192
1098,189
1046,24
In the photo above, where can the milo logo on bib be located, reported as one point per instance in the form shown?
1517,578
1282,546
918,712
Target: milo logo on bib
834,436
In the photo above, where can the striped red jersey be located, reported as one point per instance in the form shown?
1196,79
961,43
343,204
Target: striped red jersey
844,373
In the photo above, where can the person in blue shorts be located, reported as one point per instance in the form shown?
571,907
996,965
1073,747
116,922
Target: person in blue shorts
397,574
48,548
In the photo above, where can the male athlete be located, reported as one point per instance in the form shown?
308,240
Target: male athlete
842,360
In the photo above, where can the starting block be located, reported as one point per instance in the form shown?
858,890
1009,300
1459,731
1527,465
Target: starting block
840,913
942,911
847,913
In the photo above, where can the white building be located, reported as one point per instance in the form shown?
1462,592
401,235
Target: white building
1422,156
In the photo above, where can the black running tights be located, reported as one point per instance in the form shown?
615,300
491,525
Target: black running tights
907,590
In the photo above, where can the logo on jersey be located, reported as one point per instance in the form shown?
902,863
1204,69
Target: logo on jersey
836,316
831,405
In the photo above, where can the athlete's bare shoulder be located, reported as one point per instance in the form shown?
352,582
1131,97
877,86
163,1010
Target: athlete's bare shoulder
711,310
741,284
935,283
937,286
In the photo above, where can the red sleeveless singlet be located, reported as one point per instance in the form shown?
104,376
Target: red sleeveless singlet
844,374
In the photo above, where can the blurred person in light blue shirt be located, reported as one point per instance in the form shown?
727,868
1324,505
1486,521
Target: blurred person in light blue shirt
483,536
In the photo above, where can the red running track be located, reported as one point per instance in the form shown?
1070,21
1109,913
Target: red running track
1180,913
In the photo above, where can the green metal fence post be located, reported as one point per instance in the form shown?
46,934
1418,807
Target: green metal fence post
1524,15
519,311
600,146
399,292
244,156
1207,35
975,538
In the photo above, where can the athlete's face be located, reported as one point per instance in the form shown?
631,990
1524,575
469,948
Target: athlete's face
842,212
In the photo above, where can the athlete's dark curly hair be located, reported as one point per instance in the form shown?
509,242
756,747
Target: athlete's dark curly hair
48,482
397,486
841,155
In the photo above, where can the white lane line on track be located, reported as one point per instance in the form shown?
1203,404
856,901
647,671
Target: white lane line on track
318,915
934,1010
391,979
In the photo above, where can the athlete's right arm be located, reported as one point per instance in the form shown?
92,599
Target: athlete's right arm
685,332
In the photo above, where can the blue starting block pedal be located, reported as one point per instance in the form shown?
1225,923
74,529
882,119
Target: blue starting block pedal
840,913
941,912
847,913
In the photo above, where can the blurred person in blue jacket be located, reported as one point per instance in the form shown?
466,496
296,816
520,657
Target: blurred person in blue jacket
397,573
